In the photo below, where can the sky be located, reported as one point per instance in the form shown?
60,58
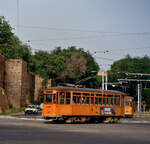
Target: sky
108,29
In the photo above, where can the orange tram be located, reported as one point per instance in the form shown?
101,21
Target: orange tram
128,112
83,104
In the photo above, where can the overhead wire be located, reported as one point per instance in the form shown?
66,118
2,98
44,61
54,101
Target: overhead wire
91,31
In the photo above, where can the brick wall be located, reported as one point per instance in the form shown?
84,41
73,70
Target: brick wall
2,69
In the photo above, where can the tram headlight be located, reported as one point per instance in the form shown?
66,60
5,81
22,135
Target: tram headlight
48,110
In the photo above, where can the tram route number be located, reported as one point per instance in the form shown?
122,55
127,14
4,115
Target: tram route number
107,110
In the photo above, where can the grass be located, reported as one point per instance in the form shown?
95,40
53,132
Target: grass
11,111
142,114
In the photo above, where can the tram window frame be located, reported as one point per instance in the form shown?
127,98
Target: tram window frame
99,96
100,100
92,99
104,99
74,99
78,100
96,100
127,103
83,100
87,100
122,100
62,97
50,97
68,98
110,99
117,100
54,99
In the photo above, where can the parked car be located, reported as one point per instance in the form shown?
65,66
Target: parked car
31,109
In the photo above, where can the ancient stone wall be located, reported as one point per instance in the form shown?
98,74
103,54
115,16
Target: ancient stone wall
38,95
49,83
13,81
3,100
38,87
30,80
24,79
2,69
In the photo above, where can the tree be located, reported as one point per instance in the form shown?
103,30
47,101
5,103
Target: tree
120,68
10,45
65,65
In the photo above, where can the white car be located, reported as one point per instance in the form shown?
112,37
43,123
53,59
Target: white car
31,109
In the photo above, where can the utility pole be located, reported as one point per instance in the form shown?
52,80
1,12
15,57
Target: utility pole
103,80
18,17
106,80
139,97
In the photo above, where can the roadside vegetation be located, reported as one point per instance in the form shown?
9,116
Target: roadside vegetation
11,110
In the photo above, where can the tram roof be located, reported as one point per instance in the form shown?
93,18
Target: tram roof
84,89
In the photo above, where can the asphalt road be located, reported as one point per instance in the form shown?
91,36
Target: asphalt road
16,131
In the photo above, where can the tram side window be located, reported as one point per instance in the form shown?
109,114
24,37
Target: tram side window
99,96
100,100
110,99
62,97
54,99
87,100
104,100
122,100
96,100
74,99
67,98
49,98
78,100
117,100
127,103
92,100
83,99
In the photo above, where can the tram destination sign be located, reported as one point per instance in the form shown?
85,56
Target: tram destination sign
107,111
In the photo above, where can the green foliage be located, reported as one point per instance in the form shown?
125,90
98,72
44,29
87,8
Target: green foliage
10,45
10,106
36,102
132,65
146,97
64,65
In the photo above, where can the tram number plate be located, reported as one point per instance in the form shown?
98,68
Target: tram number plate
107,110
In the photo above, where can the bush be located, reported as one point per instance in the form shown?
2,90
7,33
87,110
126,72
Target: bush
10,106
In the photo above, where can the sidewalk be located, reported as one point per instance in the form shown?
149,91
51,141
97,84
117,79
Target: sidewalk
138,119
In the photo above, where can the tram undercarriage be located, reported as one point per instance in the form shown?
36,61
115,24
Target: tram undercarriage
84,119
